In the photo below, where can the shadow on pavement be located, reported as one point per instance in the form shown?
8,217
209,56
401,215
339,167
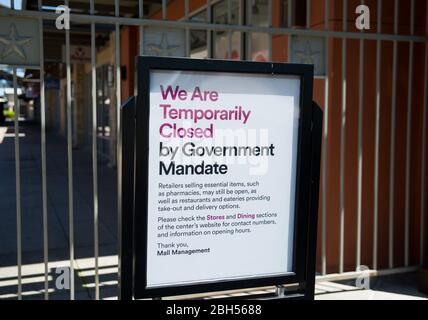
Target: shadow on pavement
58,215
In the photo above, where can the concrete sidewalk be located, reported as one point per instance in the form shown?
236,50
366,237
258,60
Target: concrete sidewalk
58,225
392,287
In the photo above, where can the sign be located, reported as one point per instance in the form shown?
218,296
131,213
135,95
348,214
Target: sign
221,176
309,50
19,41
222,182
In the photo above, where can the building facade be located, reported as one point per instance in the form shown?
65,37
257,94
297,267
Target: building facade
347,145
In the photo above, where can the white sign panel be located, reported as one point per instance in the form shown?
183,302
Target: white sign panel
222,173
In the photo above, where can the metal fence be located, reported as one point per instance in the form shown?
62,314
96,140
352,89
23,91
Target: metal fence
328,33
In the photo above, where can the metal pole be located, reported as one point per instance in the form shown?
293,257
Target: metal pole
141,16
16,108
241,13
343,144
43,156
70,161
269,35
377,138
392,151
186,13
229,33
249,34
308,13
408,139
95,156
209,32
164,9
423,147
118,124
289,23
112,20
324,149
360,151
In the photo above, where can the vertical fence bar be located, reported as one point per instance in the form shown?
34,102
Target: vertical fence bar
164,9
249,34
94,154
408,137
324,149
289,25
69,160
118,123
343,144
377,137
241,20
229,32
209,32
392,135
186,13
16,108
423,148
141,28
308,13
270,35
43,157
360,151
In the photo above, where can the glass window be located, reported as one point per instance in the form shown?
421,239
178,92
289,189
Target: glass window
258,15
221,40
298,13
259,48
284,13
227,41
198,38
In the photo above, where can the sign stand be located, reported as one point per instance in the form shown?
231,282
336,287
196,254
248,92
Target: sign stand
126,221
303,287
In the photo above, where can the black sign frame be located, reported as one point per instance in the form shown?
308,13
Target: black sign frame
135,163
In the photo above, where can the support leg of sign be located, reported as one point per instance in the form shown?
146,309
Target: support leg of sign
317,125
126,223
280,292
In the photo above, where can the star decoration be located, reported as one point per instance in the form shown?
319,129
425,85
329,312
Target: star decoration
307,55
163,48
14,43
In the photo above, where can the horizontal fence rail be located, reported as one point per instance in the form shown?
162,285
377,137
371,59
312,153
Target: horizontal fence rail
122,21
